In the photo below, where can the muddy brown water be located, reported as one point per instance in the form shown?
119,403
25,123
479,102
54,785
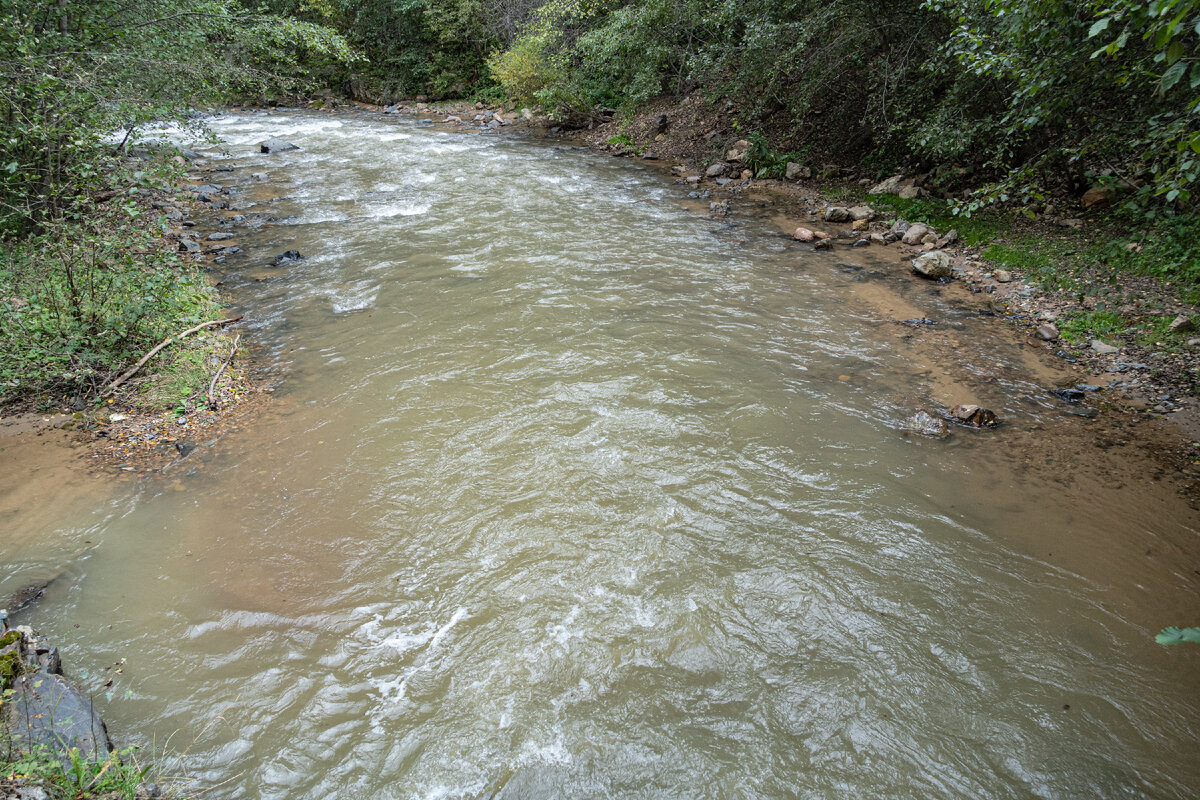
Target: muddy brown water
573,491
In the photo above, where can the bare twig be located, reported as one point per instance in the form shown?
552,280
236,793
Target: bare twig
212,402
129,373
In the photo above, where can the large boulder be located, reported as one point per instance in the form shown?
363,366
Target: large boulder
42,708
794,171
934,265
862,212
890,186
46,710
838,214
915,233
715,170
1097,197
274,145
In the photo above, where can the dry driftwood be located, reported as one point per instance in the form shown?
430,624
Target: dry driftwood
129,373
212,403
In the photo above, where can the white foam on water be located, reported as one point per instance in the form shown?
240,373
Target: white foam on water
458,616
354,298
401,210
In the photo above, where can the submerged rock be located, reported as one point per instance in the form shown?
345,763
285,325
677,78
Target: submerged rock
926,424
286,258
1069,395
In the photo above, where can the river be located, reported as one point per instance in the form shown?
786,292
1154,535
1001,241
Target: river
573,490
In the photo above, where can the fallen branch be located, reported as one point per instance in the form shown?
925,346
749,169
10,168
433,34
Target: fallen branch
129,373
212,403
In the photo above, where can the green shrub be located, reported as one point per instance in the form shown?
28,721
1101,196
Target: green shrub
87,298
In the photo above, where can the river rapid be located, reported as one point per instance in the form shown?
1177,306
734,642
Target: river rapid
572,490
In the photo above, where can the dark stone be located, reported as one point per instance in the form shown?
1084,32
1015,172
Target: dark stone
974,416
273,145
1069,395
287,258
189,246
1083,411
184,448
861,243
46,710
219,237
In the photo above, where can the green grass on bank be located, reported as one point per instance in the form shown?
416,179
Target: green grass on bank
117,776
974,230
83,300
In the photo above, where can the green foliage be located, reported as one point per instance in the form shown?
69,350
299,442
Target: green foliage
87,297
74,71
1169,248
117,776
765,162
1046,270
1081,326
974,230
1178,635
1128,106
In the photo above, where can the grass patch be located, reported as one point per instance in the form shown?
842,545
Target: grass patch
1169,250
1082,326
1038,265
180,378
117,776
974,230
626,141
1153,332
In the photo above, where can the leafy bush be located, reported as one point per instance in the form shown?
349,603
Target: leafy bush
86,298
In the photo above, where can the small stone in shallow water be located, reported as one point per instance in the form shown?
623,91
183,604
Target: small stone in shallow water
933,265
1070,395
926,424
975,416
